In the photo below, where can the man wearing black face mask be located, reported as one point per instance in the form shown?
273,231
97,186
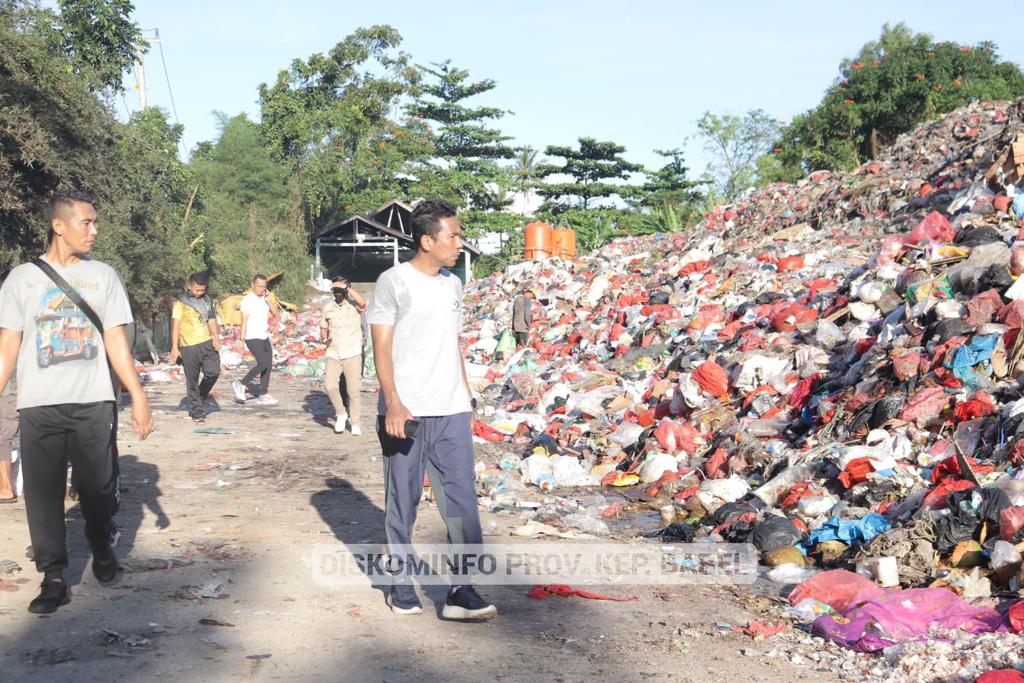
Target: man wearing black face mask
341,327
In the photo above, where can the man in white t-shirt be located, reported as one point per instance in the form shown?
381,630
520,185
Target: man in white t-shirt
257,307
415,319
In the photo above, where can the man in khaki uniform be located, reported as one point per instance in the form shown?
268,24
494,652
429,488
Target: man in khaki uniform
341,327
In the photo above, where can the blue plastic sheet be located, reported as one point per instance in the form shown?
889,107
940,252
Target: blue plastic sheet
976,351
1018,205
852,532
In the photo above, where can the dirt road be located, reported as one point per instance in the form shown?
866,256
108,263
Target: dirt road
219,529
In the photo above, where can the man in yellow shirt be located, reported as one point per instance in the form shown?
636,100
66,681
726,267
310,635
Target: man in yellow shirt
195,338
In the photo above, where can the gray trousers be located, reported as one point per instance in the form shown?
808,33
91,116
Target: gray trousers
443,449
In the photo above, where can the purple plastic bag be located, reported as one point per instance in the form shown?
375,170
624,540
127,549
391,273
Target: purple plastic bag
906,615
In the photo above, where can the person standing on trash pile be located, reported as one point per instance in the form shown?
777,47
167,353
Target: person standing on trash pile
257,307
8,430
341,327
522,318
195,339
65,395
415,319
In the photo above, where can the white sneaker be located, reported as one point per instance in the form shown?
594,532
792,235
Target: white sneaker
267,400
339,423
355,430
239,390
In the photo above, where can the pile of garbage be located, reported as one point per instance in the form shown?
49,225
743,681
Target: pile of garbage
298,351
827,369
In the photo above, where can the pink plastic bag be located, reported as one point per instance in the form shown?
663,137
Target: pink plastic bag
1010,521
890,250
905,615
674,436
838,588
934,227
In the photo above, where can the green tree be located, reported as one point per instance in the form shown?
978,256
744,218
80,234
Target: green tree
100,39
734,144
893,84
526,168
248,221
463,136
590,166
328,117
140,204
468,148
56,132
670,198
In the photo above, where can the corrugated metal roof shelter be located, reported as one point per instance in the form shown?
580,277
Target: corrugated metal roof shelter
362,247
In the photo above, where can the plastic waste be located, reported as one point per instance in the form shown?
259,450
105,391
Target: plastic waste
775,531
837,588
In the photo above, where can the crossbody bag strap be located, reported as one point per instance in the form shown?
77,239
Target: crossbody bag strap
73,294
70,291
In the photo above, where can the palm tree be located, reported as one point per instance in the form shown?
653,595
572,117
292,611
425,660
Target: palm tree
526,171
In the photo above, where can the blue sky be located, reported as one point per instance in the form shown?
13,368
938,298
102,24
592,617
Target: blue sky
640,75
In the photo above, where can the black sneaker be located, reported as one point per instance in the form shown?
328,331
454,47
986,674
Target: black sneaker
403,599
105,566
464,603
53,593
198,417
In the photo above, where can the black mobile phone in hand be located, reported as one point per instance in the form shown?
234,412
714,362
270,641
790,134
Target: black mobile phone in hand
412,427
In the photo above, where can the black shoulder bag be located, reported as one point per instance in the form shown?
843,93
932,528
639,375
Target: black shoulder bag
73,294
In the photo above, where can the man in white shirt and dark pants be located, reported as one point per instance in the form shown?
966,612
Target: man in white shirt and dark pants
257,307
415,319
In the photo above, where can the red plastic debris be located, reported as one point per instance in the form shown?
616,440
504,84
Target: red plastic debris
543,592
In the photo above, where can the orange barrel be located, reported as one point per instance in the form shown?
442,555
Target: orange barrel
540,240
565,243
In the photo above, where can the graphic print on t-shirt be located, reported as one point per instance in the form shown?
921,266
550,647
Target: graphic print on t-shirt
63,332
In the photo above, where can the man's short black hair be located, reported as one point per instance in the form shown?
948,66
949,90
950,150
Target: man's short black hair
340,278
65,199
199,279
258,276
62,200
427,217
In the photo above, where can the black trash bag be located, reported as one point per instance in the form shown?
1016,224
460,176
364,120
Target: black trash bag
961,524
954,528
993,501
945,330
775,531
996,277
730,510
547,442
768,298
677,533
886,409
967,281
974,237
657,298
738,532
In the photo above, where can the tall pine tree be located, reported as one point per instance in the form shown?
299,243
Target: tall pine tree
468,147
590,166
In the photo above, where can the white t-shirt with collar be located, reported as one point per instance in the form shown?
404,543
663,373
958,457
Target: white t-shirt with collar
426,312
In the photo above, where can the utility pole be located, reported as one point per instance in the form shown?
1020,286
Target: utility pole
142,78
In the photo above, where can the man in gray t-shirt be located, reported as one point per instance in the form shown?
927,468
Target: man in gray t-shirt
65,392
415,318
